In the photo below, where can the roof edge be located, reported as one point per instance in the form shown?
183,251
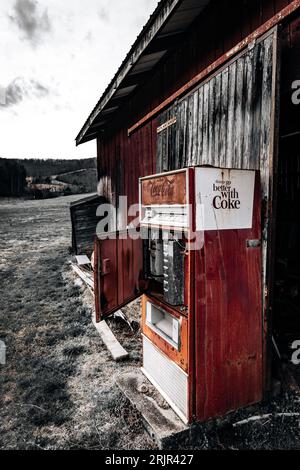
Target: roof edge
150,30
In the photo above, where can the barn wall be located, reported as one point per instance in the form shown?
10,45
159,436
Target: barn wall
194,140
122,159
223,25
208,38
229,121
226,121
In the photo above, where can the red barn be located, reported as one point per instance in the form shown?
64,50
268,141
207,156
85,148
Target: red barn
213,83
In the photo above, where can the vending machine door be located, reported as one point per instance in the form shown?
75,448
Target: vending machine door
228,292
118,272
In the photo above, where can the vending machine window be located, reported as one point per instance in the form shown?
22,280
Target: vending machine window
164,263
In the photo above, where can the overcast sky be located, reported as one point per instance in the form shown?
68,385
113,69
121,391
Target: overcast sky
57,57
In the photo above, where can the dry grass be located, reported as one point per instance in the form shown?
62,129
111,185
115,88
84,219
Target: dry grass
57,388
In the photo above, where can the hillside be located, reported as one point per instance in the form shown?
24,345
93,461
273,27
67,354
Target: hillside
86,179
42,179
49,167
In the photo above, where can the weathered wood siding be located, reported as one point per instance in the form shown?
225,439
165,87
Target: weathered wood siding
232,133
208,39
84,224
225,122
229,121
222,26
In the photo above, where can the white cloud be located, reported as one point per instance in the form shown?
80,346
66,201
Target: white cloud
74,63
21,89
30,19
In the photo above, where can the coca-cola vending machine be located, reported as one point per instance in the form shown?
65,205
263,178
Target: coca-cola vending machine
197,265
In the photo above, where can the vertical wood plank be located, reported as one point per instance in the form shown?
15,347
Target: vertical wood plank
199,153
190,130
239,114
211,120
224,117
196,129
231,114
205,154
246,161
217,116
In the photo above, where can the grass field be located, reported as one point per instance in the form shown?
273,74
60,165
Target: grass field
57,387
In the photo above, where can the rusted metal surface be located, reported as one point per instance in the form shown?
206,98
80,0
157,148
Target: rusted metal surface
118,273
275,20
162,190
180,356
96,280
221,344
228,320
122,163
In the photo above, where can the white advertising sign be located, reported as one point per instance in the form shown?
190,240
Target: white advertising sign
224,199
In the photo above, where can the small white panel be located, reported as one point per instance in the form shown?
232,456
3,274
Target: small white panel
168,216
164,324
154,315
224,199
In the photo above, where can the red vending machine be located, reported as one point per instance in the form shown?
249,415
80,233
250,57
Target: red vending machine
167,220
197,264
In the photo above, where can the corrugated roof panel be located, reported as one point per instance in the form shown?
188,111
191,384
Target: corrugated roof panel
181,20
109,110
124,91
151,57
145,64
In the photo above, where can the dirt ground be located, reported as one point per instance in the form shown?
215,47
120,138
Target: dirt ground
57,388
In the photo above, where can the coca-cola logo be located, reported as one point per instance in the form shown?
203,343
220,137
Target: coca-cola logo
227,196
162,188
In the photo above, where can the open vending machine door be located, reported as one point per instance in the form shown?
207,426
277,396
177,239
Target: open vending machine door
118,273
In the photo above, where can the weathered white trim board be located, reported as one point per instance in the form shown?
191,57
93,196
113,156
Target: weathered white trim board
116,350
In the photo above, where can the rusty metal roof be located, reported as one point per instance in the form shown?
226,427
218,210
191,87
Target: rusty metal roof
161,33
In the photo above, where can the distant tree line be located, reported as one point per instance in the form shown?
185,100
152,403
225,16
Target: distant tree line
12,178
42,168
